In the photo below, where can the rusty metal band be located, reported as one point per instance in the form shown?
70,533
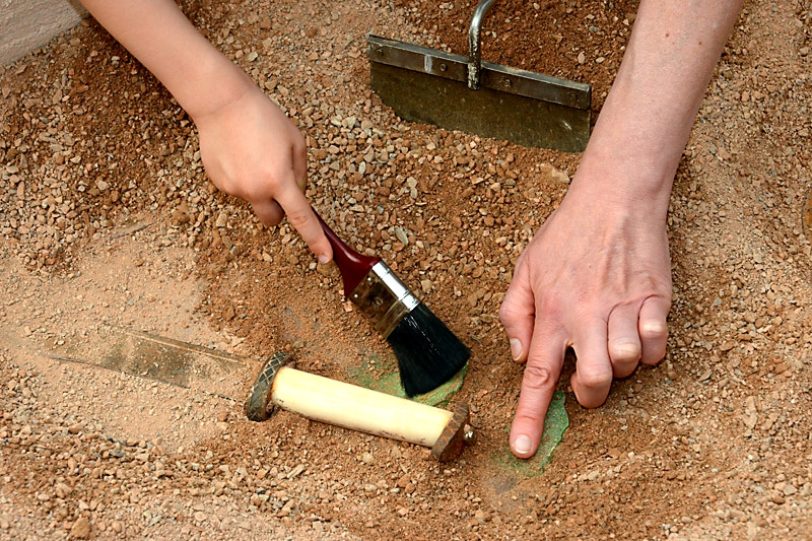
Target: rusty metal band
259,406
453,438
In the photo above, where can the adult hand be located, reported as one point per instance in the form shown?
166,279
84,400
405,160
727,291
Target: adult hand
251,150
596,277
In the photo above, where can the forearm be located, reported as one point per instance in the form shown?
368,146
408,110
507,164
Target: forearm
160,36
647,117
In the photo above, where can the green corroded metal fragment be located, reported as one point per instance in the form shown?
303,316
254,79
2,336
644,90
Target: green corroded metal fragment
382,375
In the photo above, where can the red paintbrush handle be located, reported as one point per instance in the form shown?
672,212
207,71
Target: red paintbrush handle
353,266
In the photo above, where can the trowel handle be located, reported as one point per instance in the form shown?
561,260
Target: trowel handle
474,43
357,408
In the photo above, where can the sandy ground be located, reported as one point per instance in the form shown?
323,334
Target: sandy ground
106,217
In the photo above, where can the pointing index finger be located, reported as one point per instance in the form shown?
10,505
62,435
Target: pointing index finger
301,216
538,385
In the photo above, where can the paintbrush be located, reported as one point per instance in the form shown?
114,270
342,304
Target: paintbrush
428,353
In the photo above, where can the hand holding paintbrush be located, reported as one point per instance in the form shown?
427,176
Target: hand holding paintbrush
428,353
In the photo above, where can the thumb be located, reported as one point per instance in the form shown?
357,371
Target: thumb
518,312
301,216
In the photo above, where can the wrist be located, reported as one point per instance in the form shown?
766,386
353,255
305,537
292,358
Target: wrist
215,83
625,162
623,178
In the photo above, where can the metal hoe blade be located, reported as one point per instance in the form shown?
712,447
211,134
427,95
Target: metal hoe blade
459,93
161,359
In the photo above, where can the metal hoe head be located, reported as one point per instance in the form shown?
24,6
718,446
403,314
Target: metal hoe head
467,94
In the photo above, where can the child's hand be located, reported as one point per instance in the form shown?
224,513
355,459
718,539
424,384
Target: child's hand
250,149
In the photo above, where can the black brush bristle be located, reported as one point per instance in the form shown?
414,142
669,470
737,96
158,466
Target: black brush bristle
428,353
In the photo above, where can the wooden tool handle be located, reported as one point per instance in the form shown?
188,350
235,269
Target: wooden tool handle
342,404
352,265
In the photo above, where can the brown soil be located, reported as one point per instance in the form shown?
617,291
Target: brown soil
106,215
574,39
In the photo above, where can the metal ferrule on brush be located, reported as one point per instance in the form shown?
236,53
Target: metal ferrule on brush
383,298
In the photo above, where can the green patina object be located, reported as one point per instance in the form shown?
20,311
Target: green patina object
555,424
382,375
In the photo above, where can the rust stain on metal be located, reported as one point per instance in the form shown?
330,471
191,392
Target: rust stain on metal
451,442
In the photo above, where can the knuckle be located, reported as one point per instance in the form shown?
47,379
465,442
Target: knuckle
537,377
298,217
653,330
593,379
504,314
624,351
527,416
551,307
507,312
274,177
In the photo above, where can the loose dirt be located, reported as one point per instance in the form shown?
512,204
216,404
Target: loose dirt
106,217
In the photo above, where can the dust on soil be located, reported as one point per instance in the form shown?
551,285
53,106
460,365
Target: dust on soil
106,215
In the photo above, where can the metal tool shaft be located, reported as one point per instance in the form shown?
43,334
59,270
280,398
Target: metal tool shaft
464,92
475,43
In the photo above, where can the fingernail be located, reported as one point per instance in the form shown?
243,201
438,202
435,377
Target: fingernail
516,348
521,444
323,259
